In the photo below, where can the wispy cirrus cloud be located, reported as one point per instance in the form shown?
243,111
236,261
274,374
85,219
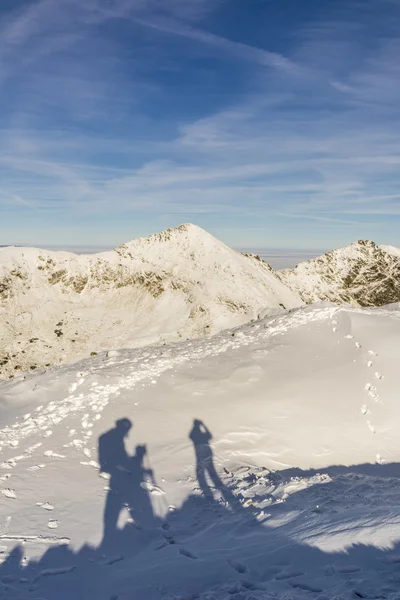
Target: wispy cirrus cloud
167,112
237,49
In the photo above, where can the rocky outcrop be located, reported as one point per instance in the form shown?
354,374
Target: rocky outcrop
362,274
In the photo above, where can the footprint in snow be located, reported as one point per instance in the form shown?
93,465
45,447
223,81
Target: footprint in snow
378,376
289,574
345,569
45,505
78,443
50,453
8,493
90,463
7,465
111,560
188,554
36,467
371,391
169,539
52,524
305,586
239,567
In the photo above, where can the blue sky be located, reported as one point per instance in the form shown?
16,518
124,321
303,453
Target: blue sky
270,123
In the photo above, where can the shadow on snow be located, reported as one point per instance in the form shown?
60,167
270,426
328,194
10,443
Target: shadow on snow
216,522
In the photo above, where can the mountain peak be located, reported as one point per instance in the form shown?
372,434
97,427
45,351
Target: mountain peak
181,282
367,243
361,274
186,234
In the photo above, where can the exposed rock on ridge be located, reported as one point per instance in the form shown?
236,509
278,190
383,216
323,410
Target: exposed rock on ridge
362,274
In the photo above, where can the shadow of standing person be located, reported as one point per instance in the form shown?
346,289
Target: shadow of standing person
201,438
115,461
143,483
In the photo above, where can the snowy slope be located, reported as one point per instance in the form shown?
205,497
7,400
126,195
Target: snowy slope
362,274
391,250
56,307
292,491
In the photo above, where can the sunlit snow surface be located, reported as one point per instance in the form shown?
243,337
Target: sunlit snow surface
261,463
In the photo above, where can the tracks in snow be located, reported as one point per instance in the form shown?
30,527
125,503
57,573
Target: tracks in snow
136,367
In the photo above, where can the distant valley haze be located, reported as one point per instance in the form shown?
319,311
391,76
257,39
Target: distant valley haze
278,258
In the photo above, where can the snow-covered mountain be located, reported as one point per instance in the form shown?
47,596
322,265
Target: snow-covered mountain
56,307
263,463
391,250
362,274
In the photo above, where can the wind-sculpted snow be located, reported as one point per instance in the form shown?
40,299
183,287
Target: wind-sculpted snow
363,274
56,307
262,463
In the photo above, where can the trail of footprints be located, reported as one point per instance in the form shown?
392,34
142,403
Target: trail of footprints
373,395
369,387
7,465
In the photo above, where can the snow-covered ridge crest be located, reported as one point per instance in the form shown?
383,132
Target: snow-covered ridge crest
362,274
57,307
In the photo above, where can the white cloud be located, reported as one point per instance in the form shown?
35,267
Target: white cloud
237,49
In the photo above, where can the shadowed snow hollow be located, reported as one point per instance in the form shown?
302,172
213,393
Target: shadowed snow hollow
58,307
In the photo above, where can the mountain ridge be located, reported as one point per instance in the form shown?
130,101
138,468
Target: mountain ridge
58,306
361,274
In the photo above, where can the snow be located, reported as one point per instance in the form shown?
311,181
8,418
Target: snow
391,250
362,274
260,463
58,307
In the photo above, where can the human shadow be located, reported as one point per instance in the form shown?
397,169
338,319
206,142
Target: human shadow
241,550
206,473
142,483
130,482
